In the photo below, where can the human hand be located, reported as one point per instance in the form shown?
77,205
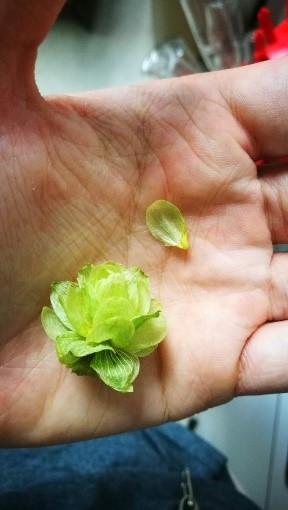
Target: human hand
77,174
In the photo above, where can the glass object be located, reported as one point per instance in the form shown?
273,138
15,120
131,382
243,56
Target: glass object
172,58
217,28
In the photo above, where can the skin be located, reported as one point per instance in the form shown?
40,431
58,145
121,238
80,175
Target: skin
77,174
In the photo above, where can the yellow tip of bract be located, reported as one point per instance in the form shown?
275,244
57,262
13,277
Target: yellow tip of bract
166,223
184,242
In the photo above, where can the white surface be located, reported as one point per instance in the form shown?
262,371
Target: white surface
243,431
277,494
73,60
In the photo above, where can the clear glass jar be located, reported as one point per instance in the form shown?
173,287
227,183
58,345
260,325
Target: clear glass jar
217,27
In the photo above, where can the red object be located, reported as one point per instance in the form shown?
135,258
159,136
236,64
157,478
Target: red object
269,41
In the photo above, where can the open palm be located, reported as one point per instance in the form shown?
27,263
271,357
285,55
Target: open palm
77,176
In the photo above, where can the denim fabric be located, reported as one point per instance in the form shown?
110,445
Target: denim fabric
138,470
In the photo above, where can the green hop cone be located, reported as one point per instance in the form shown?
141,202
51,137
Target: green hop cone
102,323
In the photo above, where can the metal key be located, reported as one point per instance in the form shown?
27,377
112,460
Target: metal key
188,502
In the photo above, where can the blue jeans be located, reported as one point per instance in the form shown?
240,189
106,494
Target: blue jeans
138,470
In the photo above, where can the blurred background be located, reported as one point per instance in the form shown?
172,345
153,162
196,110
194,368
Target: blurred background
101,43
95,44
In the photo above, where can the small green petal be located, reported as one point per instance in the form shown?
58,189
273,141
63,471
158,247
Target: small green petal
138,290
114,285
82,367
67,359
117,330
76,305
148,335
92,277
52,325
139,321
113,307
63,348
166,224
76,345
59,290
116,369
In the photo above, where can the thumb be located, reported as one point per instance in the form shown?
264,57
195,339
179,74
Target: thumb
23,26
26,22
